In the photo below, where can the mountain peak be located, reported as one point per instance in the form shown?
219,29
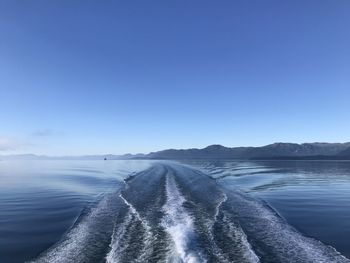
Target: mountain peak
215,147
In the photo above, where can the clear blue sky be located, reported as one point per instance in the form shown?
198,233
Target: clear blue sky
85,77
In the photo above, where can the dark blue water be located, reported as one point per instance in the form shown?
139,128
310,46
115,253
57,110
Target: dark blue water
41,200
313,196
196,211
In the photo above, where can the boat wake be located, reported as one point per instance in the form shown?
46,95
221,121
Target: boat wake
179,225
173,213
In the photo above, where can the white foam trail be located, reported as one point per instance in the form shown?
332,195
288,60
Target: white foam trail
73,247
210,225
117,245
134,211
217,210
179,225
237,235
288,244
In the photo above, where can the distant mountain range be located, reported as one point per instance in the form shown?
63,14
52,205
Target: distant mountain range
81,157
271,151
307,151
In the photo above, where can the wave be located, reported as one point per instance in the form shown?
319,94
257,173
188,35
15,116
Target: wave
121,238
225,227
86,240
179,225
204,202
273,238
173,213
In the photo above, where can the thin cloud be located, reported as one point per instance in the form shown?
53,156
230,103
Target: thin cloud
7,144
43,133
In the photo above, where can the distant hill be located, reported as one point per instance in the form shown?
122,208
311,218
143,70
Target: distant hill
275,150
346,152
305,151
82,157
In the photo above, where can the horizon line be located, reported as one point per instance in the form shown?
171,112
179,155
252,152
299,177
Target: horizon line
164,149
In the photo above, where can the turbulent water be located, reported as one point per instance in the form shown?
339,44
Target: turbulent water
172,212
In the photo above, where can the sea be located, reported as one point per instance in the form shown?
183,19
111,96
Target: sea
174,211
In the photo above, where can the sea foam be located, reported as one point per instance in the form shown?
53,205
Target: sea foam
179,225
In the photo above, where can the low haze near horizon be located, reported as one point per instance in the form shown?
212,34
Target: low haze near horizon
92,77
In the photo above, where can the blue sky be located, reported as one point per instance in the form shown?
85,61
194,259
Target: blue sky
86,77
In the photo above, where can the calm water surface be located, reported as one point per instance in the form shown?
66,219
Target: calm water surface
82,211
41,200
313,196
